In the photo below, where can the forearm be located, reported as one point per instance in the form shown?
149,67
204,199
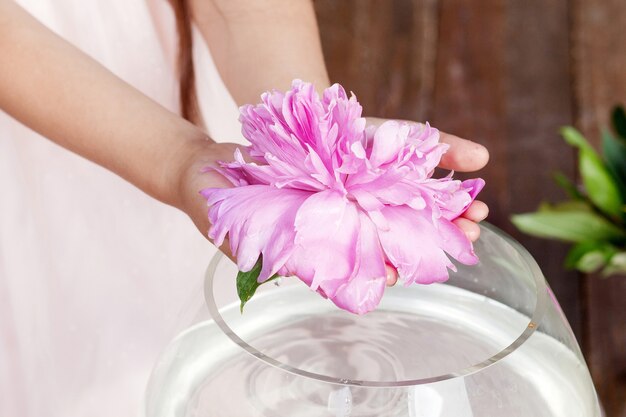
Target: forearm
66,96
259,45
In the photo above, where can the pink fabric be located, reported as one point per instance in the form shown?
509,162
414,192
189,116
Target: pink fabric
96,277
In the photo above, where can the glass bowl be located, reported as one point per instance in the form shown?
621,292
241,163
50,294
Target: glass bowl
491,341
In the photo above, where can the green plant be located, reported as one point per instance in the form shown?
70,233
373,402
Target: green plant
594,217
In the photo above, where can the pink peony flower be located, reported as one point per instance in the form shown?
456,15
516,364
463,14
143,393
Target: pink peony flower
330,200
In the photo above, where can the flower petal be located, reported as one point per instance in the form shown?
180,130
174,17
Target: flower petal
451,197
259,220
362,293
327,230
268,135
414,245
343,122
428,150
389,139
454,242
474,186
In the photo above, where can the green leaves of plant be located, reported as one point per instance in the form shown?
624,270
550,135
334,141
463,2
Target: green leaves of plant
575,138
575,221
617,265
598,181
589,256
247,283
595,217
571,226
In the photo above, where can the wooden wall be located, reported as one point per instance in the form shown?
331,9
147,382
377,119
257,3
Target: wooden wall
508,74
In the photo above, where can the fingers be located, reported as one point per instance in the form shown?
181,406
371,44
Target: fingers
471,229
476,212
392,275
463,155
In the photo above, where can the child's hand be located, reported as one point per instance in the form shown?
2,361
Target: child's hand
466,156
195,176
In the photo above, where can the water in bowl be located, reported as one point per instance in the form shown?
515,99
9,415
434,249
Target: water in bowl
430,335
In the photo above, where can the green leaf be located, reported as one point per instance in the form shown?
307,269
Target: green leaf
589,256
571,226
591,261
617,265
568,186
599,183
575,138
618,117
578,251
614,151
247,283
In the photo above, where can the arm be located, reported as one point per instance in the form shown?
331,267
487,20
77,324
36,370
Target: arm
58,91
262,44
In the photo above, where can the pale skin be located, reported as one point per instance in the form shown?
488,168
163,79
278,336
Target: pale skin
97,115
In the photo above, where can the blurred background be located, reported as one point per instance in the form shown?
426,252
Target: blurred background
507,74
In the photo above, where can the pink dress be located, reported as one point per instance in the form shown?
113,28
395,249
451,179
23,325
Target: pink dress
95,276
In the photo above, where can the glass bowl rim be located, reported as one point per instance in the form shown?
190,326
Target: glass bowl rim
534,322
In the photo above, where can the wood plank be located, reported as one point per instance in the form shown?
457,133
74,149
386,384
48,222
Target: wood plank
606,340
599,69
503,80
383,51
469,95
539,102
